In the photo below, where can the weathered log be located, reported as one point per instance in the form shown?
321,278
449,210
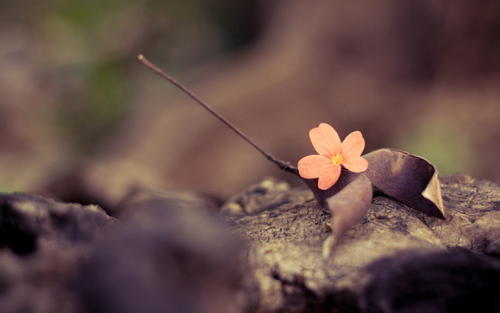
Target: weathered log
286,228
169,253
42,243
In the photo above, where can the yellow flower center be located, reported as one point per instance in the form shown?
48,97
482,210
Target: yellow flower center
337,159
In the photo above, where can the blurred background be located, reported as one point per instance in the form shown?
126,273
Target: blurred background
82,120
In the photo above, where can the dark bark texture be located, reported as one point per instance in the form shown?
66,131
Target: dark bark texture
286,230
174,252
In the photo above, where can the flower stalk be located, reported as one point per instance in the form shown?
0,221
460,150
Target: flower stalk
283,165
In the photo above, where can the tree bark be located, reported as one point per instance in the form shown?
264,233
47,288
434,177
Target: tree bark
166,252
286,228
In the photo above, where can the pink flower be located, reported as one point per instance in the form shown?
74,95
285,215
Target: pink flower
332,154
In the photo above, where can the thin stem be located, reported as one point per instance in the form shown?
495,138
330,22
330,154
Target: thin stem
281,164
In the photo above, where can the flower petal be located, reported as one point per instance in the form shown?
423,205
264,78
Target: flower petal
329,177
325,140
356,164
353,145
312,166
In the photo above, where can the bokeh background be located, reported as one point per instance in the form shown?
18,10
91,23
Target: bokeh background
82,120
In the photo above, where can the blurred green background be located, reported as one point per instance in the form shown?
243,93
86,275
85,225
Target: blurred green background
81,119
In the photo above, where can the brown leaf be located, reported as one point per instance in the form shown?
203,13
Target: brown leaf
348,200
406,178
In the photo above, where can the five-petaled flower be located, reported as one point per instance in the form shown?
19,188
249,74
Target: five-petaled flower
332,154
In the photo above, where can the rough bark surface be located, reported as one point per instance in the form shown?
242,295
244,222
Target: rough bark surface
42,243
286,229
169,252
165,253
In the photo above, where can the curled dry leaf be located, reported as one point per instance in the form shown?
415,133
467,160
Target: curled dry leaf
406,178
348,200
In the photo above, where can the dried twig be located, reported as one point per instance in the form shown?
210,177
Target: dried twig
281,164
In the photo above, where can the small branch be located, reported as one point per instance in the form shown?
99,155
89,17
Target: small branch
281,164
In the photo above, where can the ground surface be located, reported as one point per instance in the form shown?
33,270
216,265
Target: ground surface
174,252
